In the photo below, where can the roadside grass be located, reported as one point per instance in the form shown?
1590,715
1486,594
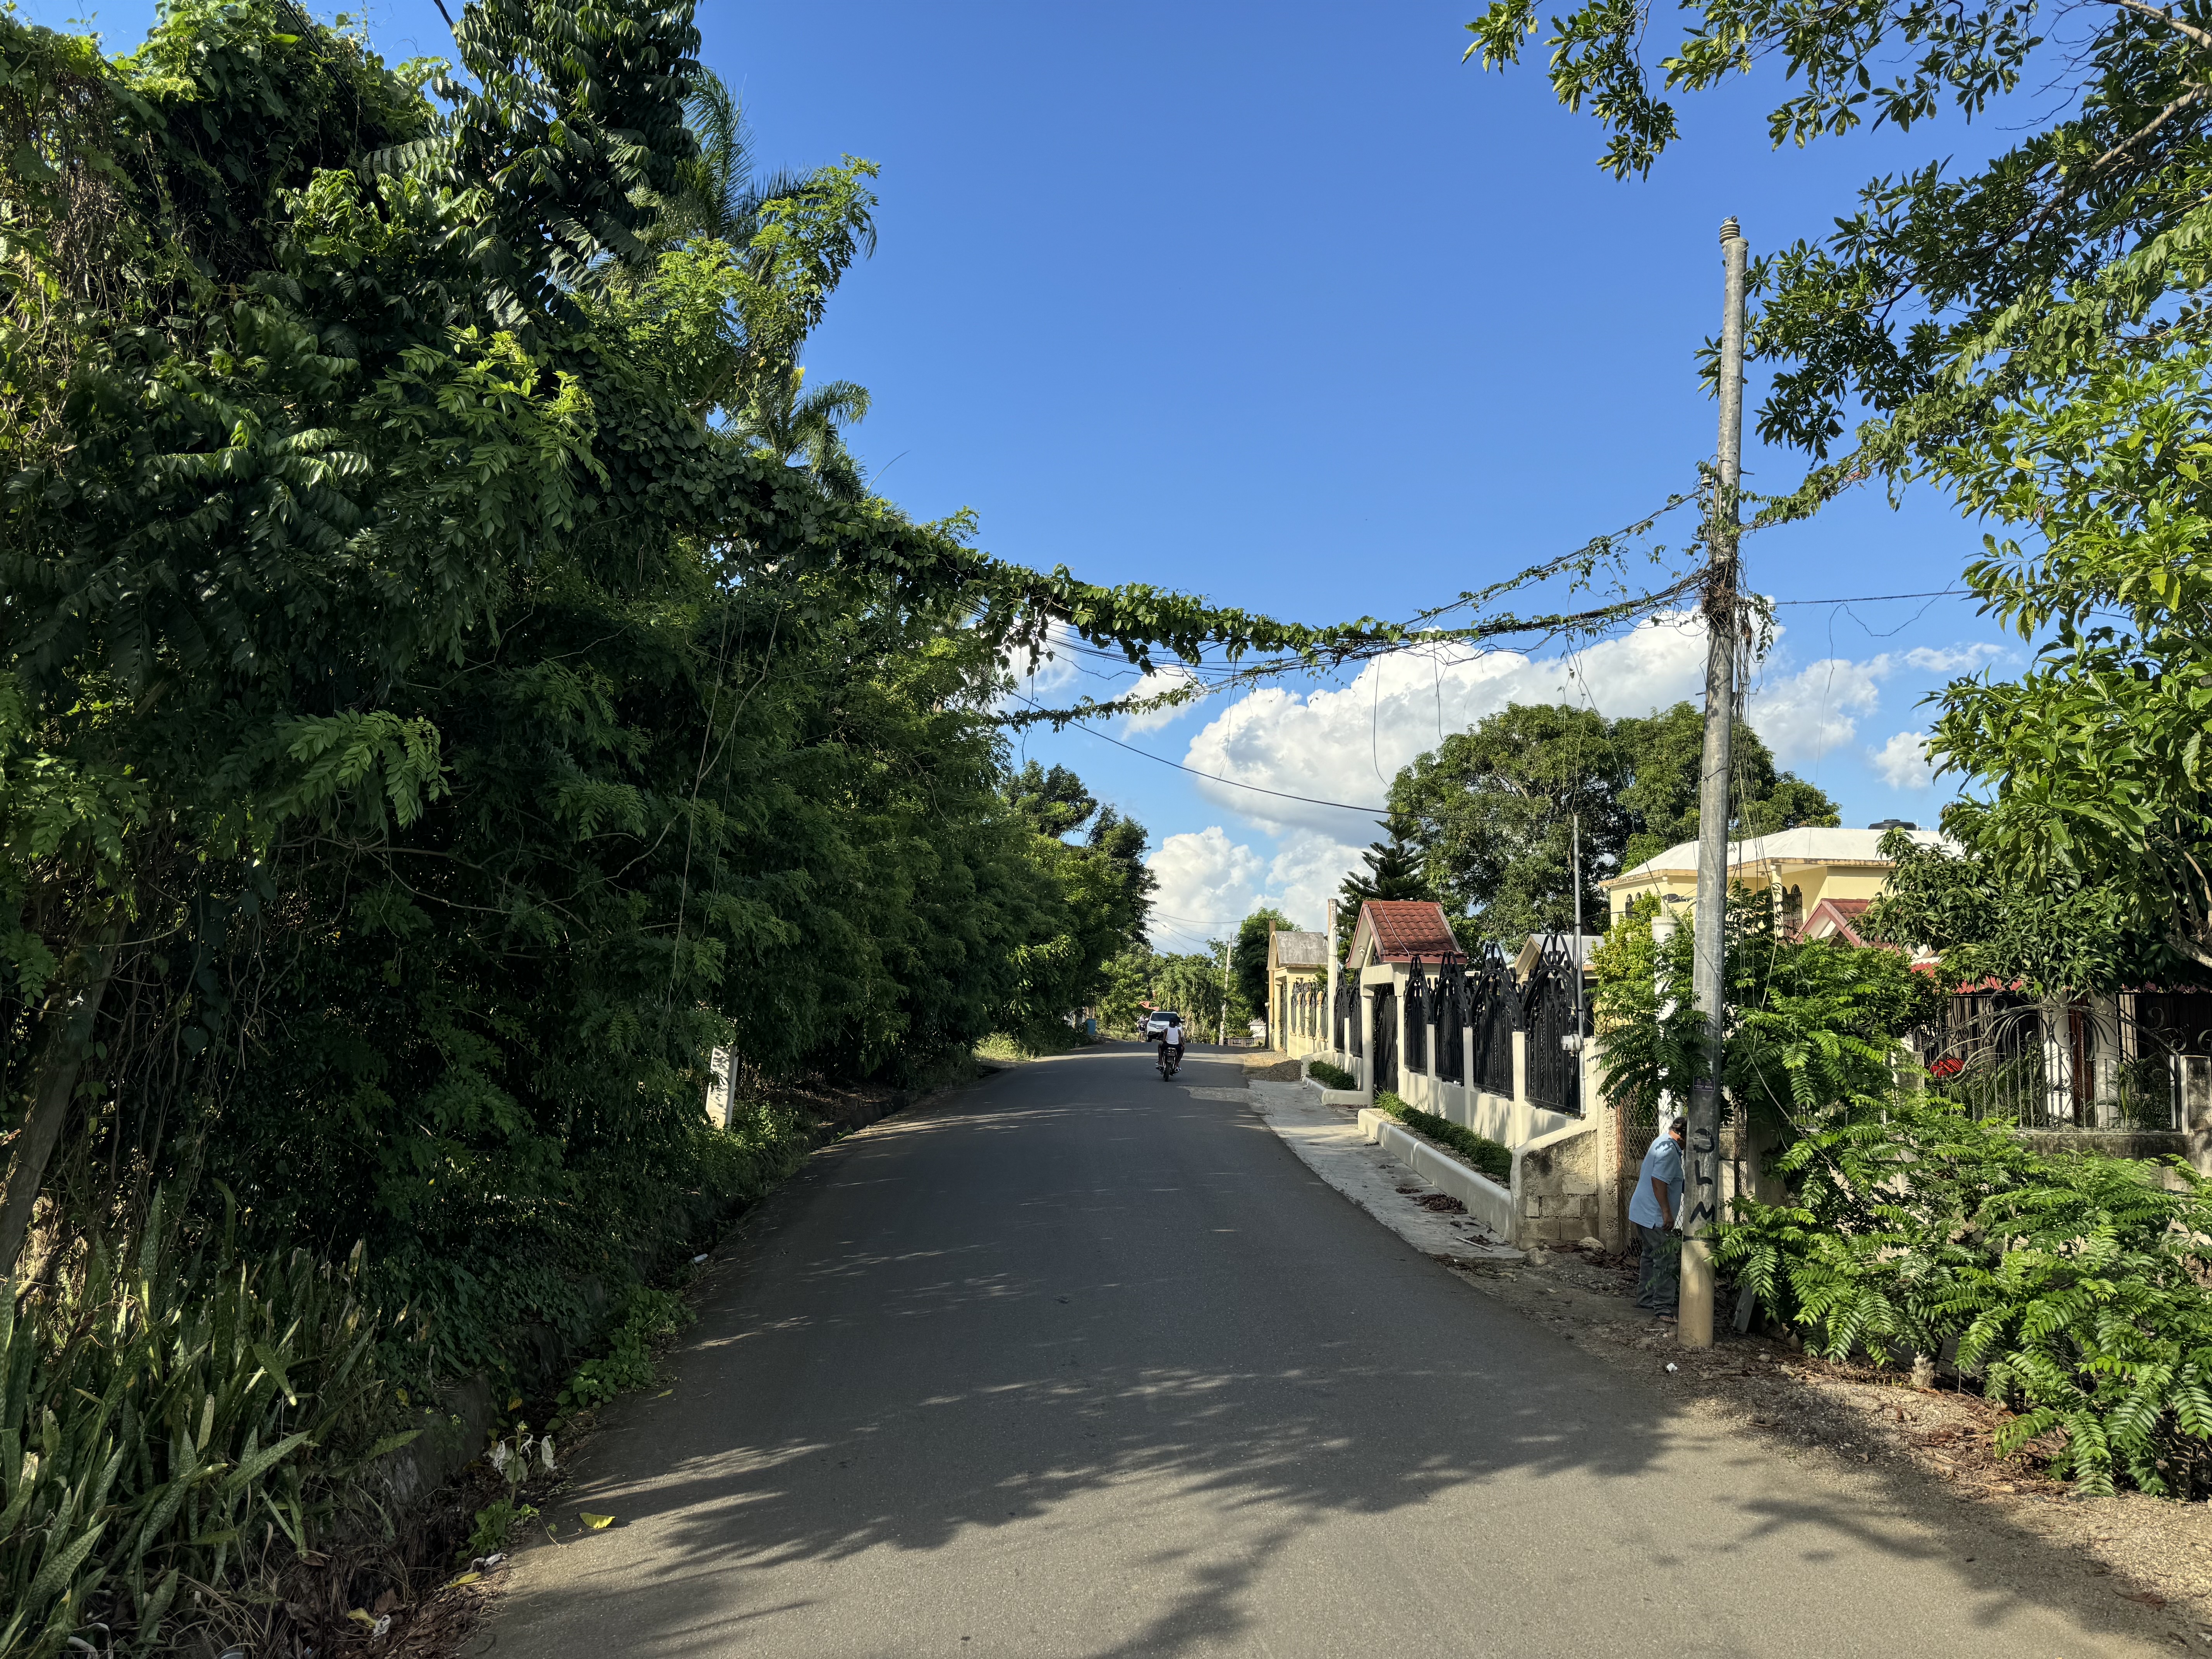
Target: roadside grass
1011,1048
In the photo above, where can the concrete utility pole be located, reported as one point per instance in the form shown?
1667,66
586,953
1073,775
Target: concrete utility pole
1701,1158
1574,855
1221,1026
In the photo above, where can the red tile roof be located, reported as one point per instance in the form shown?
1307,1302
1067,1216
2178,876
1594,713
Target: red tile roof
1408,927
1840,914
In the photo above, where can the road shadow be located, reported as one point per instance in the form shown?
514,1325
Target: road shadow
1122,1331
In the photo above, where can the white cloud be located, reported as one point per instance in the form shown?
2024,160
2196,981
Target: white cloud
1344,745
1903,761
1953,659
1209,884
1804,715
1159,680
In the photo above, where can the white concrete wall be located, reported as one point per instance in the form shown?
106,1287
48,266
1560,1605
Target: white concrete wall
1565,1181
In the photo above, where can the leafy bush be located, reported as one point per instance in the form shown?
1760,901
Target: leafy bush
1330,1076
1810,1024
1485,1156
1051,1036
649,1318
166,1418
2074,1287
494,1523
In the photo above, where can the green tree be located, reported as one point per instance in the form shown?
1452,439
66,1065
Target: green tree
1191,984
1987,925
424,694
1388,870
1126,988
1491,810
1054,803
1810,1026
2030,336
1248,962
1664,751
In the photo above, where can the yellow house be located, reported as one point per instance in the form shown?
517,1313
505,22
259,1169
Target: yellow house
1298,975
1832,873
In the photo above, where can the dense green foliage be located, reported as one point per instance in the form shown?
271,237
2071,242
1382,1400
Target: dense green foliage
647,1317
2032,337
1193,984
1810,1026
1490,810
2072,1286
453,680
1484,1154
1189,983
1329,1076
152,1421
2056,937
434,715
1248,964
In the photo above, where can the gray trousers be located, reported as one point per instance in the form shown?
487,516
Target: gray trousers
1658,1280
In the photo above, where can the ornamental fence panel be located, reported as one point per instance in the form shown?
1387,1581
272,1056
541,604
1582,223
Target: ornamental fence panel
1416,1020
1448,1014
2139,1061
1554,1020
1495,1012
1384,1070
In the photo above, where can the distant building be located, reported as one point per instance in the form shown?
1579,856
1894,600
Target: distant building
1297,972
1824,878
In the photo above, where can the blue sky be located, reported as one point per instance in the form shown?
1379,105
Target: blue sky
1282,304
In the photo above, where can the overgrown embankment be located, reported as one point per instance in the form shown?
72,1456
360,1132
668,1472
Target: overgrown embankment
456,685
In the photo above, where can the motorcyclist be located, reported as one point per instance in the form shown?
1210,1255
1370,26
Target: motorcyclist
1171,1037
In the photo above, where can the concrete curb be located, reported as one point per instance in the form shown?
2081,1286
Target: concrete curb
1329,1142
1335,1097
1486,1200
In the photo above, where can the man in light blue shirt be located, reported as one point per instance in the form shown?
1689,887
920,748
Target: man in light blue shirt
1652,1209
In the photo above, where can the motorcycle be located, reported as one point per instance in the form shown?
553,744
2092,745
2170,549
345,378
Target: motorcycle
1169,1058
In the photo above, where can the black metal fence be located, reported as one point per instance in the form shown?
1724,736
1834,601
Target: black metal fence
1347,1017
2139,1060
1555,1017
1494,1010
1448,1014
1384,1070
1416,1020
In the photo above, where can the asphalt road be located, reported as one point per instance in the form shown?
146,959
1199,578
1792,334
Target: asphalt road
1080,1364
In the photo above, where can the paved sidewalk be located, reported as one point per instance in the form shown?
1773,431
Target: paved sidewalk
1328,1141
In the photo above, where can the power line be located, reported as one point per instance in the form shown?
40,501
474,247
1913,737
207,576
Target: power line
1877,598
1213,777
